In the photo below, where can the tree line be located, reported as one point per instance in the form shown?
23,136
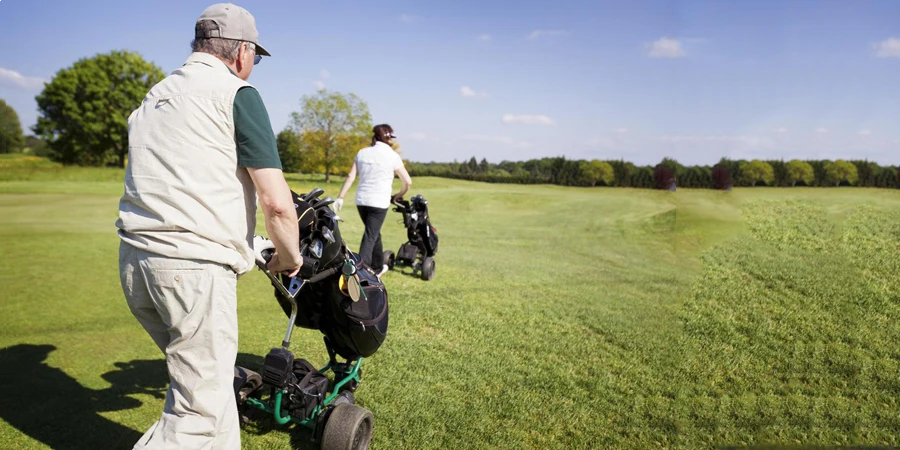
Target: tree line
668,173
83,112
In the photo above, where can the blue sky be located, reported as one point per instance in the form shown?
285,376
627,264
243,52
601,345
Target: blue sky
640,80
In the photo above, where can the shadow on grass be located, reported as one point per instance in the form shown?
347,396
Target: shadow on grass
48,405
51,407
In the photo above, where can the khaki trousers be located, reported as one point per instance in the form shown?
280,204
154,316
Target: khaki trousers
189,308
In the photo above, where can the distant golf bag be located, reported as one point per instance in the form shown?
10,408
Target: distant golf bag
337,294
418,252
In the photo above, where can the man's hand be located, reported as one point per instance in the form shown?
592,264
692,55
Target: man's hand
338,204
276,265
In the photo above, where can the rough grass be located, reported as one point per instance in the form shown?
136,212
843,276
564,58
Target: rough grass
558,318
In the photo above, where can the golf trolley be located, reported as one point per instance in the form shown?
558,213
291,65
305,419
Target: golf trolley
334,293
418,252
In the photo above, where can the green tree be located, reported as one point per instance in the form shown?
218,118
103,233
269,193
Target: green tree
11,138
289,150
473,165
484,166
596,170
332,127
673,165
84,109
840,170
797,170
756,171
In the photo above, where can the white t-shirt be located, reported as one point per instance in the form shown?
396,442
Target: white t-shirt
375,166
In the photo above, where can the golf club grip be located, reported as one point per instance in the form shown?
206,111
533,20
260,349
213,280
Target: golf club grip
309,267
323,274
267,254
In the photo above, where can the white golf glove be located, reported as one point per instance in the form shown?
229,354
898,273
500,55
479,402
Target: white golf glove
338,204
259,244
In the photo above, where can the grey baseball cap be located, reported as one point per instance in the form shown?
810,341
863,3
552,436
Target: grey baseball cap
234,23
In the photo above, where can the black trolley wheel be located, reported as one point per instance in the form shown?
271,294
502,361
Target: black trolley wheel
428,268
389,259
349,427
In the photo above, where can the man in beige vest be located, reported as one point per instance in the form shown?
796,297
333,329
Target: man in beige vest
201,153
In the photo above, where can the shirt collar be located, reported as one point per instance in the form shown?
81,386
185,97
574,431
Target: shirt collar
207,59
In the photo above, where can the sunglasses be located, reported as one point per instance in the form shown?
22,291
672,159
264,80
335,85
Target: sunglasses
256,58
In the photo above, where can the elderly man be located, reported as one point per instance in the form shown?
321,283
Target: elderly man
200,151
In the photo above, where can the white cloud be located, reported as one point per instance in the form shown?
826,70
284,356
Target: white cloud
409,18
15,79
484,37
504,140
865,132
539,33
319,84
622,130
666,48
466,91
888,48
781,130
325,74
821,130
528,119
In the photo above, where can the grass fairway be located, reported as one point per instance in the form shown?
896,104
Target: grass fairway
558,318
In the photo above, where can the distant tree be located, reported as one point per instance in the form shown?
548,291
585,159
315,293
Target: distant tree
595,170
11,138
721,178
673,165
332,127
473,165
84,109
289,144
756,170
484,166
779,170
839,171
819,176
867,172
623,172
797,170
663,177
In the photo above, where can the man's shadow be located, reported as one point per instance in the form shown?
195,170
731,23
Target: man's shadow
51,407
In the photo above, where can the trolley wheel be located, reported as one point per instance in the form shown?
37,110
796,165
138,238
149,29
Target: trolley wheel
349,427
389,259
428,268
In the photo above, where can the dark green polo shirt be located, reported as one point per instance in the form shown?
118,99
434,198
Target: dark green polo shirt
256,147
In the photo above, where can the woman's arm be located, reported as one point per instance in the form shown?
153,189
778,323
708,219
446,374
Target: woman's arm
405,178
339,203
349,181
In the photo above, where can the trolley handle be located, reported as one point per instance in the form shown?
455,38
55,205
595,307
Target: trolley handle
307,270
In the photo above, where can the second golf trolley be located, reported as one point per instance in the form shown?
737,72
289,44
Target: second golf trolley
337,294
418,252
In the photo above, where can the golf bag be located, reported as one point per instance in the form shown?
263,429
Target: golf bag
421,234
352,328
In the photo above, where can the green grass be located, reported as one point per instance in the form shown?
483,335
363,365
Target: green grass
558,318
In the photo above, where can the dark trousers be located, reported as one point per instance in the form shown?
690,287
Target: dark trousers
370,249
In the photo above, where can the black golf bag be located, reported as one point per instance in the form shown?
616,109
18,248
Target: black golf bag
351,328
421,234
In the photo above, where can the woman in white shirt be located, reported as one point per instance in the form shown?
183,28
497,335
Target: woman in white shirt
376,166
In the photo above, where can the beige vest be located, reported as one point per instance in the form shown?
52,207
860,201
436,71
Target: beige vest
185,196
